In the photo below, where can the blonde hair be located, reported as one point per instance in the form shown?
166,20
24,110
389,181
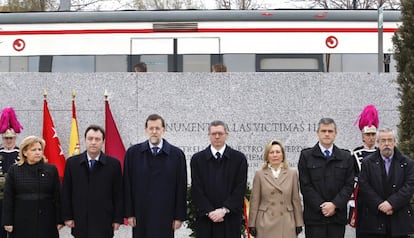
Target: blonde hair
26,144
268,147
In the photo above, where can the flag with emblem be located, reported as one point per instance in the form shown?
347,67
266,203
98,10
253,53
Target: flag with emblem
53,151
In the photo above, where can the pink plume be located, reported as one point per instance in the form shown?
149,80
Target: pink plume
368,117
8,119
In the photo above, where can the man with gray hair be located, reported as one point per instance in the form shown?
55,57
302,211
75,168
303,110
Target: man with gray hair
387,186
326,175
218,185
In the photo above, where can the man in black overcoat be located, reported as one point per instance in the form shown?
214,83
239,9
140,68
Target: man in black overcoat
155,184
92,190
218,186
326,176
386,187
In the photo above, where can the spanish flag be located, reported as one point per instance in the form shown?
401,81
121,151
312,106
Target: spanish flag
74,146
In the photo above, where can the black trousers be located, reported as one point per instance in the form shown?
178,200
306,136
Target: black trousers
325,231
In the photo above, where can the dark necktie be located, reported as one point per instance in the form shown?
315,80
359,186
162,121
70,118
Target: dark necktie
387,163
327,154
218,155
92,164
154,151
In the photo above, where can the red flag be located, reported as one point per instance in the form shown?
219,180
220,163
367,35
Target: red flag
113,142
53,150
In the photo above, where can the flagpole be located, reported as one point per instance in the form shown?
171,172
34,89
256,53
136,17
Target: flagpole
106,95
44,94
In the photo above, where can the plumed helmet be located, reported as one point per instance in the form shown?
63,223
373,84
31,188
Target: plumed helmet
368,120
9,125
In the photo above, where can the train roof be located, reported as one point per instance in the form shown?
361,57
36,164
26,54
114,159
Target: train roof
196,16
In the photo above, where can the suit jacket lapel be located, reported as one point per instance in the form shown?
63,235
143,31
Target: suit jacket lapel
272,180
282,177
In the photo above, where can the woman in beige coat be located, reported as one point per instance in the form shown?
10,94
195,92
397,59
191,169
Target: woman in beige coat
275,207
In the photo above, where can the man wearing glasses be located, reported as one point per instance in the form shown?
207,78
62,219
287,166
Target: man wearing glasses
218,185
386,186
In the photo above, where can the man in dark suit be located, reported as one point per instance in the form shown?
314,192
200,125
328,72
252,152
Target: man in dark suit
218,178
155,184
326,175
92,190
386,187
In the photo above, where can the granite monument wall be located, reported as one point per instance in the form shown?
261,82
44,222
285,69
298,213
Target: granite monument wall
258,107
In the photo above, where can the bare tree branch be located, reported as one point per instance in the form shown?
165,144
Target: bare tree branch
357,4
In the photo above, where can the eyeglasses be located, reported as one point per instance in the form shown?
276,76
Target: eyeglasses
8,138
218,134
389,140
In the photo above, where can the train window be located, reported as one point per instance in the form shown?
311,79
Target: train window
155,63
289,63
34,63
18,64
360,62
4,64
196,63
111,63
73,63
239,62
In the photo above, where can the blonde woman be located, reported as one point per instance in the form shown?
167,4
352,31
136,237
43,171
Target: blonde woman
31,204
275,208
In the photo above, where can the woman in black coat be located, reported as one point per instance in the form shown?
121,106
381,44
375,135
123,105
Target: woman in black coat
31,205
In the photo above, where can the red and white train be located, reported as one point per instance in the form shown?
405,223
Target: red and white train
193,40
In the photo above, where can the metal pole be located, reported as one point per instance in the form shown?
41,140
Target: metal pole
380,40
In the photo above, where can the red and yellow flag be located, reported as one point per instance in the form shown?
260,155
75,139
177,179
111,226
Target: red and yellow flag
74,146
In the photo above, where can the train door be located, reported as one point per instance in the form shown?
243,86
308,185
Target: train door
180,54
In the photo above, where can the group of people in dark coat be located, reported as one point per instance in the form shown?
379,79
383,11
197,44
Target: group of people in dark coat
151,193
383,177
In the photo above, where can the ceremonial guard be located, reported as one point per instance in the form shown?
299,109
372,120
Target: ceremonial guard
368,124
9,128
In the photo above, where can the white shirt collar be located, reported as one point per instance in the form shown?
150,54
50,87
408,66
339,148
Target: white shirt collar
90,158
159,145
323,149
214,151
